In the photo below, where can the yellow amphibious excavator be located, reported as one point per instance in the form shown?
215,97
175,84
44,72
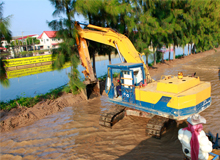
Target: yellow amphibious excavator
170,98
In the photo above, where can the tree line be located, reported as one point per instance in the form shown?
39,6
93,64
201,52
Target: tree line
147,23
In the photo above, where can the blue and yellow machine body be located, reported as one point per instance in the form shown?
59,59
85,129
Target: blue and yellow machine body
174,97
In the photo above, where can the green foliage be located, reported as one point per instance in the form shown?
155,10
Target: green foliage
76,85
178,56
31,41
115,75
67,51
3,76
16,43
103,78
67,89
159,56
5,33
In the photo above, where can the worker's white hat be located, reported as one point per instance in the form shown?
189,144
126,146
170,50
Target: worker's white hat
196,119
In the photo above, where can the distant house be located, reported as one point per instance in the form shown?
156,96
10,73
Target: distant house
48,40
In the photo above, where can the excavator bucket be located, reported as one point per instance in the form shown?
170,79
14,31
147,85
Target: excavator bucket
90,80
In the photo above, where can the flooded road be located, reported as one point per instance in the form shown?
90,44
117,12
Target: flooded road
75,133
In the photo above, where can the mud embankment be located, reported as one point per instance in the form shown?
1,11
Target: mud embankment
23,116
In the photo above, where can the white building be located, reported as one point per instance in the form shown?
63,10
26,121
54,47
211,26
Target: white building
48,40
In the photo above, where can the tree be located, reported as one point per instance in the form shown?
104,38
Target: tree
5,33
67,50
98,13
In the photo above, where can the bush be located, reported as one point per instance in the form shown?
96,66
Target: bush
102,78
66,89
178,56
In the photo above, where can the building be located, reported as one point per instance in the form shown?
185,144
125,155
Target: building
48,40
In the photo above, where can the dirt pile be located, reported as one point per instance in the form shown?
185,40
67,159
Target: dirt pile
18,117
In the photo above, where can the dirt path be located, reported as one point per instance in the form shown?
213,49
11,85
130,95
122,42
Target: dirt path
169,64
19,117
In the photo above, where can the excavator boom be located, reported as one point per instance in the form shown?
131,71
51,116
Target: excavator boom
85,59
112,38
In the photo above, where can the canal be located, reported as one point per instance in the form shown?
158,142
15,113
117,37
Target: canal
41,83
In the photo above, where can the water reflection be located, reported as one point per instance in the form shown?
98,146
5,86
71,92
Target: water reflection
32,70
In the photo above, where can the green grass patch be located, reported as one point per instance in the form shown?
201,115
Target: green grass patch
28,102
178,56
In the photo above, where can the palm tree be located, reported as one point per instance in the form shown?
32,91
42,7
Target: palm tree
5,33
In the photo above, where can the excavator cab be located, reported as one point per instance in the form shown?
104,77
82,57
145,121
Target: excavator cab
131,75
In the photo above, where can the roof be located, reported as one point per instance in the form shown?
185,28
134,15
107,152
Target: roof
50,34
24,37
2,48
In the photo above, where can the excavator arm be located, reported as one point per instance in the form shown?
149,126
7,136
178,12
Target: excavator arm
112,38
85,60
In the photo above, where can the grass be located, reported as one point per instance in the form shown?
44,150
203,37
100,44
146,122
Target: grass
28,102
178,56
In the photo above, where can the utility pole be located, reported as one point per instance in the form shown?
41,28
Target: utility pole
22,37
33,44
22,41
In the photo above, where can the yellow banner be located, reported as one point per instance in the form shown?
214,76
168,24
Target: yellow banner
28,60
31,71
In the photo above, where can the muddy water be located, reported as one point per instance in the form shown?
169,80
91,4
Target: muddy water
74,133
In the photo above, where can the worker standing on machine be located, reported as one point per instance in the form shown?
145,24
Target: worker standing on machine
195,143
118,88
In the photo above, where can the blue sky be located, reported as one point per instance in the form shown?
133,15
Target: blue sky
29,16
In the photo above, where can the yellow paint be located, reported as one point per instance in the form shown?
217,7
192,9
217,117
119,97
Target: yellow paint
31,71
28,60
176,85
186,97
148,96
85,58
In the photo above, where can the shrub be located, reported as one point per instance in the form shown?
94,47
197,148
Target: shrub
66,89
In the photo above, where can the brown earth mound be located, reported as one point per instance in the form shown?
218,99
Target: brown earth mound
22,116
